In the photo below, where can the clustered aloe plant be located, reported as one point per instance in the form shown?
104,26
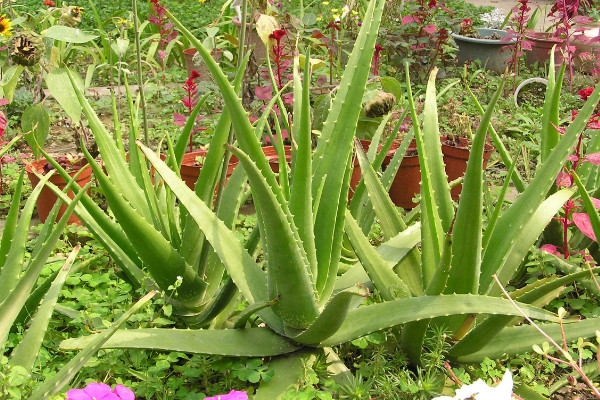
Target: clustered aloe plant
164,232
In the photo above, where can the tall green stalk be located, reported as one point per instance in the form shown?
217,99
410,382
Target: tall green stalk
138,49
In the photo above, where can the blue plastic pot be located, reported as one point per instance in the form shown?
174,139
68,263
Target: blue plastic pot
493,54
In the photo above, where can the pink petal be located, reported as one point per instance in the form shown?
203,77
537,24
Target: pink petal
97,390
408,19
3,102
263,93
233,395
582,221
77,394
572,158
124,393
594,158
179,119
162,54
430,29
596,202
552,249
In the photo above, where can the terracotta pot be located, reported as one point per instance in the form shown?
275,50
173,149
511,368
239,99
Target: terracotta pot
47,198
456,157
190,169
541,46
200,67
271,153
260,51
407,182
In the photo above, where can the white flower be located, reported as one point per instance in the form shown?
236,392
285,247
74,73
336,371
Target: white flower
481,391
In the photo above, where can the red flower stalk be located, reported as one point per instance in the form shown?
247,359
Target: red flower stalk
190,101
376,59
279,53
585,93
165,28
49,3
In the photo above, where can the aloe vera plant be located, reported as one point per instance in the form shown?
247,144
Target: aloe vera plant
302,220
457,255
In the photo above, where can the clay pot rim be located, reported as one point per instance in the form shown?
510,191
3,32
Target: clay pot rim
72,168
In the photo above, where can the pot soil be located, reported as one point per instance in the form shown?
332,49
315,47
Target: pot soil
47,198
456,154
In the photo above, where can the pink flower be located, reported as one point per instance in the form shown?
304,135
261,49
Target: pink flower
233,395
100,391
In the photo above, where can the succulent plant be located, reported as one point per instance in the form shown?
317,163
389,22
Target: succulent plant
27,48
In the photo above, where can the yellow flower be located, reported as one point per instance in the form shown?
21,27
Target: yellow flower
354,12
336,16
202,1
319,18
325,3
5,26
334,10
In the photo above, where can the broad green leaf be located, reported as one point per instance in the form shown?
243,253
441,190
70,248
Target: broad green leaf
35,121
61,89
68,34
9,81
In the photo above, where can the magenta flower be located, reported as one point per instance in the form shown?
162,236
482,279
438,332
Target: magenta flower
100,391
233,395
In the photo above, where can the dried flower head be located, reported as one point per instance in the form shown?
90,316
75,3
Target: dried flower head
27,48
71,15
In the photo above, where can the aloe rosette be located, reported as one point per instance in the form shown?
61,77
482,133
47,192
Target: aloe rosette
302,220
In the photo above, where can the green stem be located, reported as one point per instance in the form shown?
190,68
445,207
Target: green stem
139,70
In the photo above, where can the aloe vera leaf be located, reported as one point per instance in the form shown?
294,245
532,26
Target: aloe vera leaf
431,231
250,310
114,163
52,216
249,342
11,268
288,269
35,298
527,237
26,352
333,152
526,392
288,372
163,261
481,335
58,381
391,224
467,231
11,306
247,275
301,189
413,333
219,301
439,191
360,203
514,219
112,238
519,339
591,210
498,208
11,220
548,134
387,213
390,285
367,216
372,318
392,251
333,315
117,124
500,148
